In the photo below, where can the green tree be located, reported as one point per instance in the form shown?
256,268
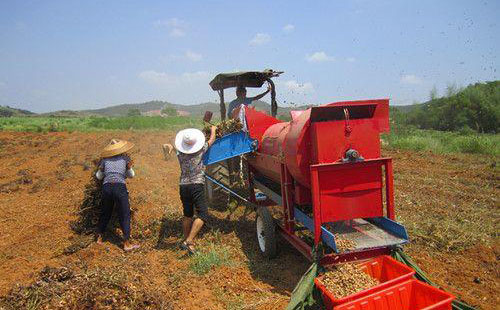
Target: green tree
476,107
169,111
434,93
5,112
134,112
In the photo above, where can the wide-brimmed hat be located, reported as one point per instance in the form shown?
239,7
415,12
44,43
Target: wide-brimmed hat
116,147
189,141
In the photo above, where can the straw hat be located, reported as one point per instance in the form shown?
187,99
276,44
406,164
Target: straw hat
189,141
116,147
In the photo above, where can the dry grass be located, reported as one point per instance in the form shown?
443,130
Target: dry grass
446,205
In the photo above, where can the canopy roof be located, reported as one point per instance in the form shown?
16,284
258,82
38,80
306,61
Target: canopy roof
244,78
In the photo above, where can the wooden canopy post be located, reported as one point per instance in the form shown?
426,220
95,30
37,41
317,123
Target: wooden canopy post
274,104
222,105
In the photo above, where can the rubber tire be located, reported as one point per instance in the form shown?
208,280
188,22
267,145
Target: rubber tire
218,197
269,232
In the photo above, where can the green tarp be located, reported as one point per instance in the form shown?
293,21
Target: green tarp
305,296
399,255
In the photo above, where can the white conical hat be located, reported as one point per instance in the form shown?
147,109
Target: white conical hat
189,141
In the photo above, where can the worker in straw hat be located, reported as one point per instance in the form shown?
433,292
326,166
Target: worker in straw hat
190,145
115,166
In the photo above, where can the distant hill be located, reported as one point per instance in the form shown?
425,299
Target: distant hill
6,111
198,110
123,109
154,108
476,107
65,113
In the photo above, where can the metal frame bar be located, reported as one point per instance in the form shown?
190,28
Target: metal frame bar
222,105
287,198
389,189
268,192
327,236
296,242
248,201
331,259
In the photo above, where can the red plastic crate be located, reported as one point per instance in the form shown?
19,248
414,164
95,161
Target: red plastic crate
385,269
409,295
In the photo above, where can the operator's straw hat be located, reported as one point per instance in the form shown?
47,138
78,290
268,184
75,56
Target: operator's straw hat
116,147
189,141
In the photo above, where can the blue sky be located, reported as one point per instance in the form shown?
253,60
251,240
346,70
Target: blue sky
89,54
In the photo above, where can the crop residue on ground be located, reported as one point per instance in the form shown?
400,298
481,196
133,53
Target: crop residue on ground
448,203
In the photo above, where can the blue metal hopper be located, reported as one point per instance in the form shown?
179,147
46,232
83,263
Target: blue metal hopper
229,146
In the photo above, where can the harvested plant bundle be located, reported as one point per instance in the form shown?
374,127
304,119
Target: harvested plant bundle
88,216
90,208
224,128
347,279
63,288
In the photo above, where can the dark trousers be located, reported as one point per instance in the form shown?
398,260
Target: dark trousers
193,198
115,194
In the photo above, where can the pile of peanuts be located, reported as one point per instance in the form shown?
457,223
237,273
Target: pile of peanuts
347,279
344,245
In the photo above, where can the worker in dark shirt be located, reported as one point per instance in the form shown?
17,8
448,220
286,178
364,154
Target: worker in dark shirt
241,98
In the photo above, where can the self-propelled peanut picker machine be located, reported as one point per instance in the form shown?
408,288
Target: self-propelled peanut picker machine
325,177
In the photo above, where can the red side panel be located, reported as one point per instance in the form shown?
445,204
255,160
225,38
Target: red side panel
329,141
409,295
343,191
258,122
380,117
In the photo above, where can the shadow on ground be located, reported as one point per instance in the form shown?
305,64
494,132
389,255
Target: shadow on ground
282,272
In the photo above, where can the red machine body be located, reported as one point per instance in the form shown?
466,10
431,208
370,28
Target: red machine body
323,175
333,135
312,148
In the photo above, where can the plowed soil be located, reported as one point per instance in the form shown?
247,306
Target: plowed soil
448,203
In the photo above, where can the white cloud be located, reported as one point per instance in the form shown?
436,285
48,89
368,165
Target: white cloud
319,57
298,88
175,22
190,55
177,33
177,27
181,88
167,79
351,59
152,76
288,28
195,76
260,39
411,79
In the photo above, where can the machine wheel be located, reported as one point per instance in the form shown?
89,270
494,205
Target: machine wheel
266,234
216,197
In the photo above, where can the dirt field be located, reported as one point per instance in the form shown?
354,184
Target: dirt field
448,204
